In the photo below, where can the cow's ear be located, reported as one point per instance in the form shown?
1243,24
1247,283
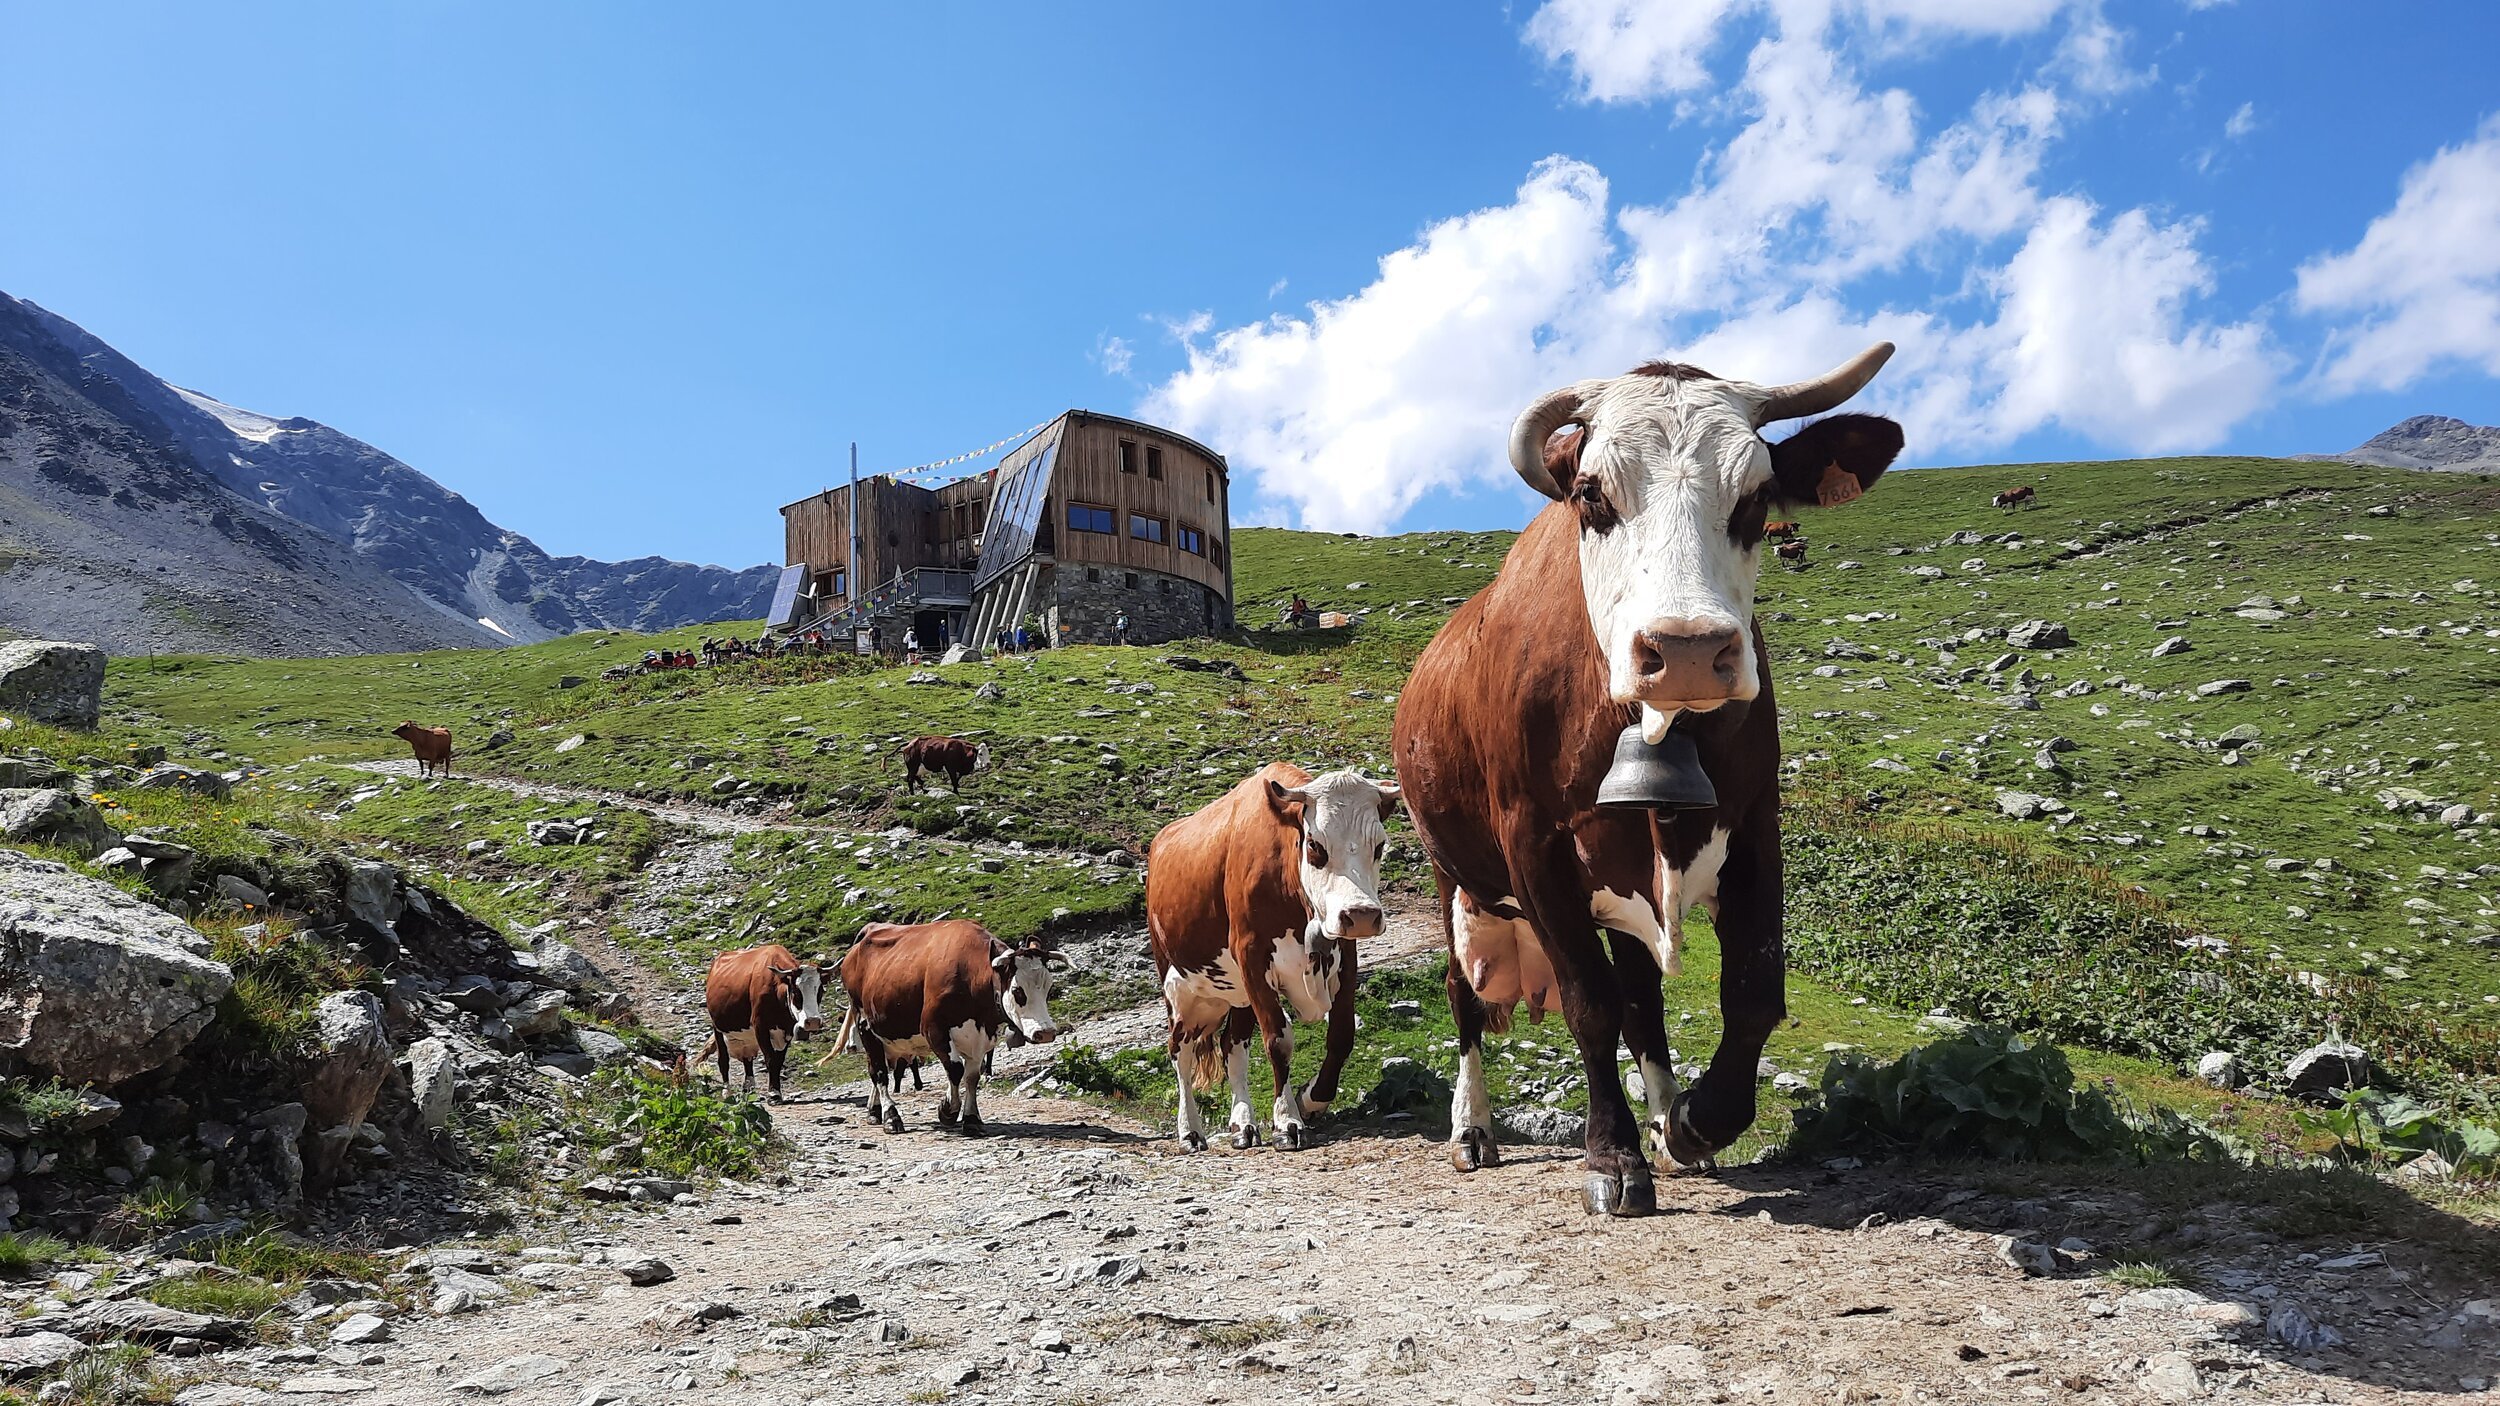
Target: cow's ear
1562,459
1285,801
786,973
1834,460
1003,962
1389,798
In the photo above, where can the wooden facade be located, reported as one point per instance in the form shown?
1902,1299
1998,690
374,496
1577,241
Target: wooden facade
1163,498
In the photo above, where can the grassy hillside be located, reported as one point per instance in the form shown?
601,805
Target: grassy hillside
2297,821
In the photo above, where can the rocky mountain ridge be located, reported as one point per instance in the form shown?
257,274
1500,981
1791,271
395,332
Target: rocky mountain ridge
151,518
2428,442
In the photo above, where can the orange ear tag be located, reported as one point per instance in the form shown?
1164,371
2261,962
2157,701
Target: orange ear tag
1838,486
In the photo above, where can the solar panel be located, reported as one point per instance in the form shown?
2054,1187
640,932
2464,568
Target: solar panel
786,597
1016,506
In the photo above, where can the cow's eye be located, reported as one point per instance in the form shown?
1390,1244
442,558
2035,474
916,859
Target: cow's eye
1018,993
1317,855
1588,499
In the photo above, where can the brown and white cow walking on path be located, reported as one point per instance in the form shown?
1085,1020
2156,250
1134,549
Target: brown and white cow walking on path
1256,902
942,990
1632,597
760,1000
952,755
432,746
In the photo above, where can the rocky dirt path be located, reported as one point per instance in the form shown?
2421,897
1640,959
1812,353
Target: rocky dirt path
1072,1256
710,820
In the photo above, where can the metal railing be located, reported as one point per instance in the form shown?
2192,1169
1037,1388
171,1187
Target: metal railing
922,585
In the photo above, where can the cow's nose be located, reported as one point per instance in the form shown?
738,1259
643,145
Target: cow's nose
1360,920
1686,661
1043,1035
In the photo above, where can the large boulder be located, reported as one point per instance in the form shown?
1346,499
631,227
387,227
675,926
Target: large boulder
95,986
49,817
433,1081
51,682
562,965
373,896
350,1060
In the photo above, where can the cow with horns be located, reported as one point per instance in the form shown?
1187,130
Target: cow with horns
1624,610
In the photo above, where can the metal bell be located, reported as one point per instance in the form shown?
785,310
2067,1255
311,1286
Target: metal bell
1667,776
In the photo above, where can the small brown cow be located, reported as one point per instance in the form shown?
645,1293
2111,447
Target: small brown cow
1781,532
1792,551
2016,497
431,744
760,999
1255,901
940,990
952,755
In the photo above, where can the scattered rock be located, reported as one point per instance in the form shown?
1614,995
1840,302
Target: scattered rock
45,815
2038,634
350,1060
2029,1256
29,1354
2172,1376
1545,1127
102,986
2325,1067
2219,687
137,1320
2023,805
359,1329
645,1270
510,1375
2222,1069
52,682
2176,644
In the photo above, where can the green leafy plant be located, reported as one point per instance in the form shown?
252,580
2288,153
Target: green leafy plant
280,975
2373,1127
38,1104
685,1127
1125,1074
1985,1092
22,1254
223,1295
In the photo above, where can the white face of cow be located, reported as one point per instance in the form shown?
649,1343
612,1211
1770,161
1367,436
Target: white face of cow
1024,992
801,987
1671,482
1344,833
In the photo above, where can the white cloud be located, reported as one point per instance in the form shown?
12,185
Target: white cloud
2243,120
2422,288
2051,313
1356,411
1114,355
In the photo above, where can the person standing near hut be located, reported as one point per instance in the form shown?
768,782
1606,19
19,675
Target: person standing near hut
911,646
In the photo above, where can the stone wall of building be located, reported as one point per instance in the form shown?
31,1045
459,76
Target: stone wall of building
1087,600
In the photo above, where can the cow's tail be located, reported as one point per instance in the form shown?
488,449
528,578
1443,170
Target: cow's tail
850,1021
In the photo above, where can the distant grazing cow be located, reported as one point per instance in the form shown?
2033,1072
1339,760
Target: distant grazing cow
940,990
1255,901
1629,600
952,755
1781,532
1792,551
2016,497
760,1000
431,744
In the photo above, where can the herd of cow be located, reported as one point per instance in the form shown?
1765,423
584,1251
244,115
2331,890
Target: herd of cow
1625,608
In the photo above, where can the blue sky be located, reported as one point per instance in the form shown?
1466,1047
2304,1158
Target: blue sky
631,276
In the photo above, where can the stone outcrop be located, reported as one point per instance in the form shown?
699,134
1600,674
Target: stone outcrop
45,816
51,682
350,1060
95,986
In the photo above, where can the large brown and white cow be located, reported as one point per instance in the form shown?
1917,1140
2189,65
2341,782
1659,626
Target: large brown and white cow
940,990
1252,904
1631,598
760,1000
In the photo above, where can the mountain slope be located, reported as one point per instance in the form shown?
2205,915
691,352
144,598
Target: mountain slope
392,518
111,532
2428,442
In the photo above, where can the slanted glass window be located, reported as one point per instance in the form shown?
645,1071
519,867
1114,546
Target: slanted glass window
841,582
1193,541
1128,456
1144,528
1085,517
1154,462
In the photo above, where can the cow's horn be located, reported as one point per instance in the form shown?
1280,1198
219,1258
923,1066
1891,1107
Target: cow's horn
1832,388
1535,425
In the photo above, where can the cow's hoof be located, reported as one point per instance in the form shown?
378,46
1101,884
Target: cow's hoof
1684,1145
894,1122
1194,1142
974,1127
1292,1137
1474,1149
946,1115
1245,1137
1633,1193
